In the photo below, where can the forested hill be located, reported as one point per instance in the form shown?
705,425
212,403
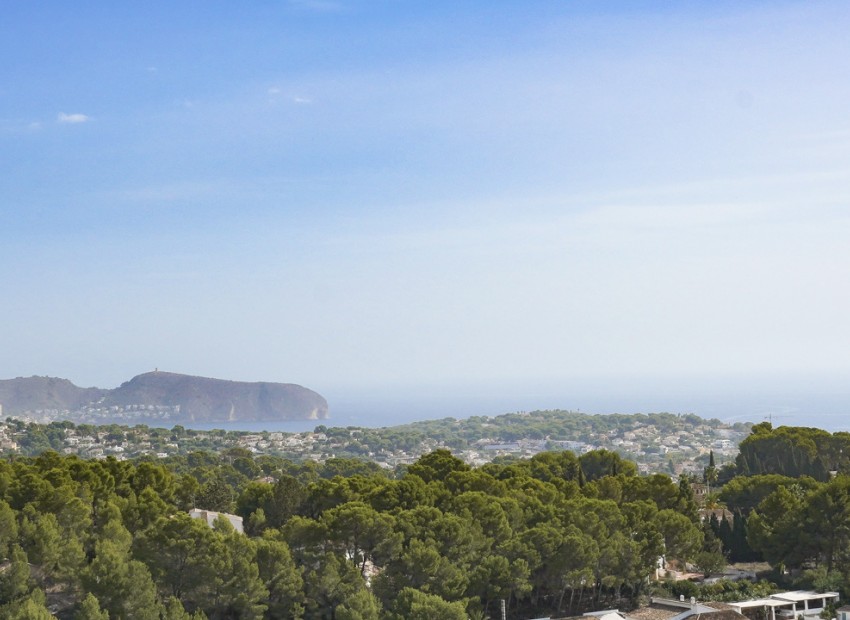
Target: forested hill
162,397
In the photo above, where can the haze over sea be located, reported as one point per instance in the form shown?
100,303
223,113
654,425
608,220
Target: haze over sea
791,402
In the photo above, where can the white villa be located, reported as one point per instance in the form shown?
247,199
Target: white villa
209,517
790,605
782,606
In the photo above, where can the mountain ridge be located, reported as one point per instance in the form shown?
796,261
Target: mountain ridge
161,395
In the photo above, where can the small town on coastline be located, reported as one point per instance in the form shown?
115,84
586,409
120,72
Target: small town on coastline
660,443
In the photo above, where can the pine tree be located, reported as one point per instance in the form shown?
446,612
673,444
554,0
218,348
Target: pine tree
90,609
14,580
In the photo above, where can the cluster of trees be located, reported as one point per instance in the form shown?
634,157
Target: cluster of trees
345,539
792,451
791,497
552,534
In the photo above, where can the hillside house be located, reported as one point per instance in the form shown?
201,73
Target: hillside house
668,609
209,517
788,605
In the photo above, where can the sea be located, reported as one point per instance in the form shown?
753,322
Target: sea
822,404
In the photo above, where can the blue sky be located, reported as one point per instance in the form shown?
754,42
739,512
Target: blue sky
394,195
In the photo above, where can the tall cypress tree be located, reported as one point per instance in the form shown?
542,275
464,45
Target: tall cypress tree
724,533
741,550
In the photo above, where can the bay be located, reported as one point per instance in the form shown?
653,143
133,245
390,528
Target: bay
823,406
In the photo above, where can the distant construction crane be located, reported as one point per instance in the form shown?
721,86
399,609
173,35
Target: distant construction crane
769,417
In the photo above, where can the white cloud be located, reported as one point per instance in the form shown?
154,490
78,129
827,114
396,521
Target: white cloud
18,125
302,100
274,90
73,118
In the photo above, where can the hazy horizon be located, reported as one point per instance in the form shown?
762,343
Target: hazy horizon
756,399
366,198
784,400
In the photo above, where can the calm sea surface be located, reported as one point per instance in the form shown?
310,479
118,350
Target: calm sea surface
826,408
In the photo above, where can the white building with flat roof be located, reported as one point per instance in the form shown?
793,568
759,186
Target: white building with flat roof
790,605
209,517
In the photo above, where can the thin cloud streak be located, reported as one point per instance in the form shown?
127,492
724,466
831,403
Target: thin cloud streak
73,118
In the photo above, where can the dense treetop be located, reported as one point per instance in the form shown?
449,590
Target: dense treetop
553,534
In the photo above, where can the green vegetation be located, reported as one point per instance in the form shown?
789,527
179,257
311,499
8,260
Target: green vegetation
555,534
338,540
793,452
